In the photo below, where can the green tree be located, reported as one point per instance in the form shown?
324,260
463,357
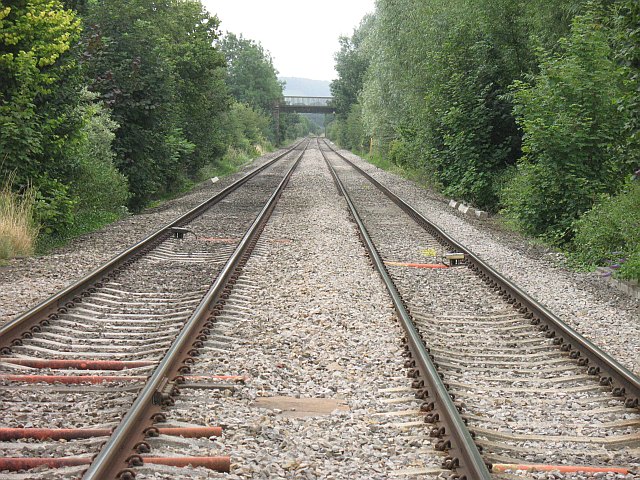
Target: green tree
575,138
130,65
623,18
35,108
437,88
352,62
102,191
251,76
39,85
201,94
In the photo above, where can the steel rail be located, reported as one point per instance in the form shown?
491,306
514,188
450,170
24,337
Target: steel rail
465,458
111,461
622,381
12,331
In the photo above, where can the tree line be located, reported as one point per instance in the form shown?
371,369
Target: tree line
530,109
106,106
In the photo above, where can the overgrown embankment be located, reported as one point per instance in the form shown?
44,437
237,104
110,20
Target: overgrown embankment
530,109
106,107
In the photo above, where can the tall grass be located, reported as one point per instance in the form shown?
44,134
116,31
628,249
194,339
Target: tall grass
18,231
234,159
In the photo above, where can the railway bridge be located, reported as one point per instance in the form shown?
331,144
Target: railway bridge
301,104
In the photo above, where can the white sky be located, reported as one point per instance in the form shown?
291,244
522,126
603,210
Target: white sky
301,35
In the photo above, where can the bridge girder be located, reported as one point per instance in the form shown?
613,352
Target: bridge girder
306,108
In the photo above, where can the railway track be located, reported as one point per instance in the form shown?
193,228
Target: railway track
505,383
88,374
139,367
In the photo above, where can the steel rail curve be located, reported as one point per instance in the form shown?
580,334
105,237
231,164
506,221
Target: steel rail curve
465,458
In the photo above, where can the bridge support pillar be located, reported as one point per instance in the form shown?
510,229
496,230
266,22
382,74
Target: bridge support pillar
276,122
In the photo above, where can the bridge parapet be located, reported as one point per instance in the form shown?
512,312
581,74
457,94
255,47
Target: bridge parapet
300,104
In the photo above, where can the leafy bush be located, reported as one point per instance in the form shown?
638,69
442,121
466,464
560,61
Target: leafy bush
574,135
399,153
98,185
54,205
245,126
609,234
38,78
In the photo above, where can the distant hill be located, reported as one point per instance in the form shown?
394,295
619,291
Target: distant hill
306,87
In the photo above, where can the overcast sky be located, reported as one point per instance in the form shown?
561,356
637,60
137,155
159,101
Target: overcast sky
301,35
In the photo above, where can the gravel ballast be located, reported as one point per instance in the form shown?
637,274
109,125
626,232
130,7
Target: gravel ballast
324,338
326,334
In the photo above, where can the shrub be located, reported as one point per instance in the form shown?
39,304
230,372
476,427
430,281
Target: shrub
574,135
54,205
18,231
245,126
609,234
98,185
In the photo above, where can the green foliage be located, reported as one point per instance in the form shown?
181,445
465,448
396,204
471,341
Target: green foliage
251,76
436,88
36,38
349,132
156,67
622,19
99,187
352,62
609,234
128,110
201,95
472,136
574,134
229,163
54,205
246,127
